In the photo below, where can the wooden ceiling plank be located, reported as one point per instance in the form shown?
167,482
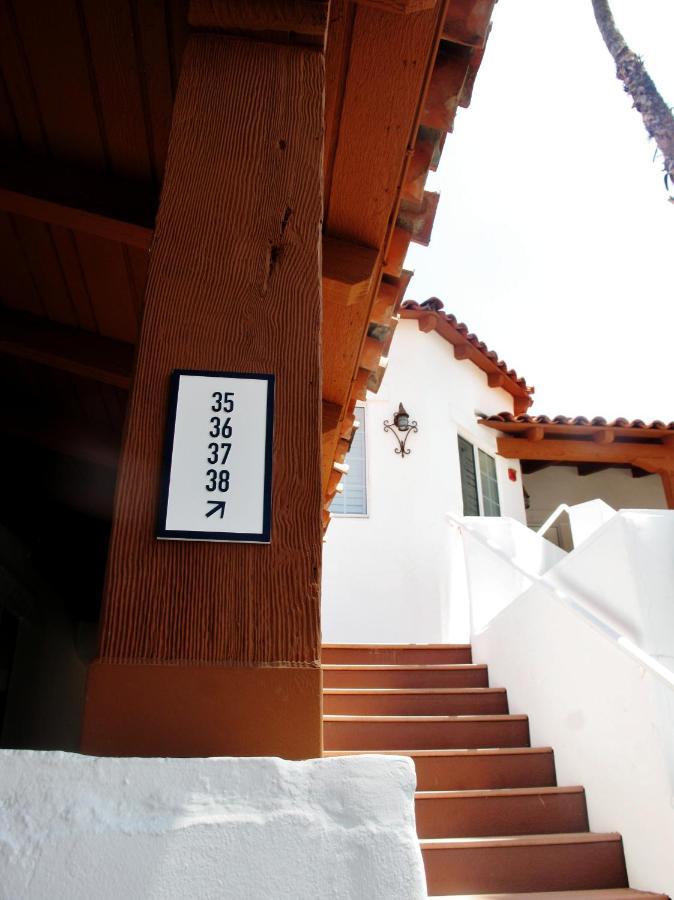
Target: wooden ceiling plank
20,90
107,282
66,349
17,287
154,51
75,219
38,245
575,451
64,243
57,54
114,61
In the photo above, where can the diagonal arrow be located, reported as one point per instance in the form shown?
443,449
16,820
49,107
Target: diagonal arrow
218,506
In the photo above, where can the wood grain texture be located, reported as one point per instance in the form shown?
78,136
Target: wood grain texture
386,51
658,456
234,284
298,16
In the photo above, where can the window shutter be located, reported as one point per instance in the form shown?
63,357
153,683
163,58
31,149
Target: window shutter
471,506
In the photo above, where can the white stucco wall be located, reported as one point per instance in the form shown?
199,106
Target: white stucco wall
608,715
550,487
385,575
77,827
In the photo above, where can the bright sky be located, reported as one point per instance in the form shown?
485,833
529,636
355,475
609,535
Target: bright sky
553,240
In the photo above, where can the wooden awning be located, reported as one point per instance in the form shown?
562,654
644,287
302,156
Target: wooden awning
588,442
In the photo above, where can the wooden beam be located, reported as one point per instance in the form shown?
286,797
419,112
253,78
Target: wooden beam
537,433
75,219
68,349
495,380
399,7
461,351
603,436
571,451
347,273
307,17
212,648
667,476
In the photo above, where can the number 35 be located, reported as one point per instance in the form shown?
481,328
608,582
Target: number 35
223,402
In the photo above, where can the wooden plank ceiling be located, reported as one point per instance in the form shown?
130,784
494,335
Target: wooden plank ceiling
86,97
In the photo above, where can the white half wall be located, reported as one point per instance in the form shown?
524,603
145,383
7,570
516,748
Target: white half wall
385,574
77,827
583,650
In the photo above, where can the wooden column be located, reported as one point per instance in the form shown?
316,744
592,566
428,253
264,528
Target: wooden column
667,476
212,648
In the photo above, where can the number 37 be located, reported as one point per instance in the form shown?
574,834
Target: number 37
223,402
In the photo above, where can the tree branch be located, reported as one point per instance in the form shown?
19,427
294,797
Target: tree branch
657,116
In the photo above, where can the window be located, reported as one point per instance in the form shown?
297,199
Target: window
489,482
480,496
353,499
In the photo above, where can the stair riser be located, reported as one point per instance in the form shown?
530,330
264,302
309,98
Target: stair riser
490,816
482,772
564,867
369,656
401,678
424,735
415,704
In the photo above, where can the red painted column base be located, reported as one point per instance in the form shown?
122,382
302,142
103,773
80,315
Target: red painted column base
202,710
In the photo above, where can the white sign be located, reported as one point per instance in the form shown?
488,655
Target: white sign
216,483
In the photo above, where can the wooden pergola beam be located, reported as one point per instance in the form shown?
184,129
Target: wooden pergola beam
68,349
571,451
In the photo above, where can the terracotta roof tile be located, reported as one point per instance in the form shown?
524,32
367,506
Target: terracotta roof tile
575,421
448,326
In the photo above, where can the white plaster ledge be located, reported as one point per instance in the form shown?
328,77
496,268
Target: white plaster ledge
77,827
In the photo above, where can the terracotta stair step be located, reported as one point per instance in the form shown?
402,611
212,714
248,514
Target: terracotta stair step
607,894
552,862
414,701
410,676
550,810
424,732
395,654
456,770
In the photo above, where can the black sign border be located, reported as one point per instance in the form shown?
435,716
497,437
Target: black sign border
162,532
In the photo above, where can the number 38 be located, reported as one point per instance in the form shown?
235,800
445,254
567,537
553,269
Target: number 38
217,481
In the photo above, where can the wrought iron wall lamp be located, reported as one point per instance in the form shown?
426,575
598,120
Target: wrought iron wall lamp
401,428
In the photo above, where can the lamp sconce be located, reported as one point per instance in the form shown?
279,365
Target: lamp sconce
401,428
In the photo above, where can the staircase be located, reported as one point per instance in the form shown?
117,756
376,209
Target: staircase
490,816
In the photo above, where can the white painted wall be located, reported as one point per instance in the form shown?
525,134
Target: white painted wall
385,576
550,487
77,827
603,704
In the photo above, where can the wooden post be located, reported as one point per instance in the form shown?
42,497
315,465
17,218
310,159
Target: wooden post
667,476
212,648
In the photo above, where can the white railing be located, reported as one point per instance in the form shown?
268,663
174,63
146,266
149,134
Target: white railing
552,518
579,604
